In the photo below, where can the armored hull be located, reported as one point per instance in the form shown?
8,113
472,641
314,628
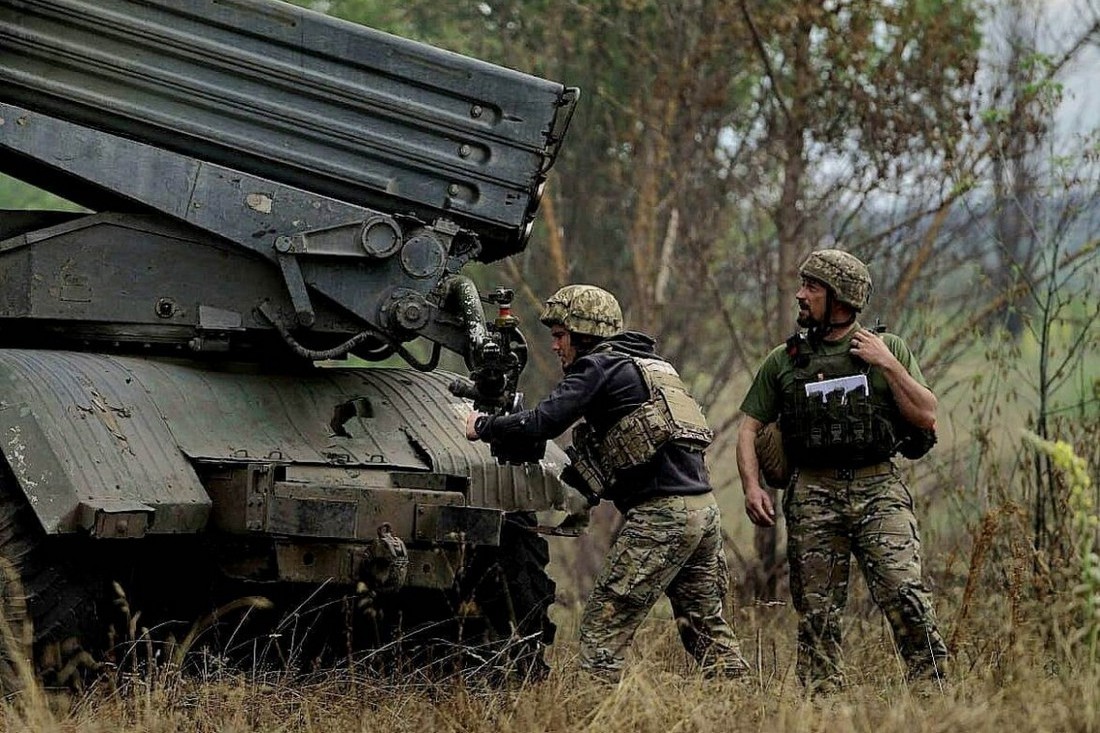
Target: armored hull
272,191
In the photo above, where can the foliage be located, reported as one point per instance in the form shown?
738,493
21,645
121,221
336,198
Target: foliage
1081,516
15,194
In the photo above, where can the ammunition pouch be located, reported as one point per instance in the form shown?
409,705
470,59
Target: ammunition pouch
585,462
581,475
670,416
842,430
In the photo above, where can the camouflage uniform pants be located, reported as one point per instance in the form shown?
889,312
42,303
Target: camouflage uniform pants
669,545
831,519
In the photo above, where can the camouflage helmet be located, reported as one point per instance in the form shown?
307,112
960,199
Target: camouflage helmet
584,309
848,277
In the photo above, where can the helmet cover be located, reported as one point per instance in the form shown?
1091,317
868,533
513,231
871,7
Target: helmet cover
845,274
584,309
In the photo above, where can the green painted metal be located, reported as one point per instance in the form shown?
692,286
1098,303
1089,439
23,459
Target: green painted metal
291,95
101,442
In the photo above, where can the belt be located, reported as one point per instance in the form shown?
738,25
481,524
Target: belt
847,474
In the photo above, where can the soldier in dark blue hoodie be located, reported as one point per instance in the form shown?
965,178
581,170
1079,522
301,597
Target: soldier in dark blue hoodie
639,444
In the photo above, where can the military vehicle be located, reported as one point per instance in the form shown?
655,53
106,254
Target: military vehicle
270,192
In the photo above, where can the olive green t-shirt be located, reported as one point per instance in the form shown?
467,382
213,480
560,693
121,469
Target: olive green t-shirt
776,375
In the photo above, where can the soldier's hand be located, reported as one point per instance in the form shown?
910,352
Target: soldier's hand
869,346
471,432
759,507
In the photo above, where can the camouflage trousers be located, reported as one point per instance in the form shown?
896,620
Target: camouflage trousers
830,519
670,545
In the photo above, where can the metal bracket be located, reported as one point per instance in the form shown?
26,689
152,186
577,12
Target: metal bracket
214,328
377,237
296,286
115,518
448,524
260,483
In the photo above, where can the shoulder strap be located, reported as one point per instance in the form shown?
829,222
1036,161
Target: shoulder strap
798,349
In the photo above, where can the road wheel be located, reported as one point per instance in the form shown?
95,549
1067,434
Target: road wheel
493,623
511,589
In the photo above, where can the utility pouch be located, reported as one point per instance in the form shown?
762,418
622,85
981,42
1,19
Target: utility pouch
580,476
772,457
584,458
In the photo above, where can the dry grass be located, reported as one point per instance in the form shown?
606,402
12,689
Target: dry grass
1029,680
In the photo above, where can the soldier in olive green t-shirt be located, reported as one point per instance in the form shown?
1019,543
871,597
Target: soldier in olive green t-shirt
846,498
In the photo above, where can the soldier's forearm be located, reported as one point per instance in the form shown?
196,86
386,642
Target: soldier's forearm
915,401
747,464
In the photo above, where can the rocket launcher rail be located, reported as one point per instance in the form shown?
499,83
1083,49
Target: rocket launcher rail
287,94
267,177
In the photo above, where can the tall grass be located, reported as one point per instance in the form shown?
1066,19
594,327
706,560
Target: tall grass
659,692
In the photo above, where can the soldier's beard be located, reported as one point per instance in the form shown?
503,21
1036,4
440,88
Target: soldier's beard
805,318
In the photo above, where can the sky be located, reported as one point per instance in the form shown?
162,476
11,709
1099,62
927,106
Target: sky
1064,21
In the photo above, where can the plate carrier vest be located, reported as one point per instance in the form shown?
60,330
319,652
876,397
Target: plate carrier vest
843,430
670,416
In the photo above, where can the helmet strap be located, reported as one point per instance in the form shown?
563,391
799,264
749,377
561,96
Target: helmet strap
817,332
841,324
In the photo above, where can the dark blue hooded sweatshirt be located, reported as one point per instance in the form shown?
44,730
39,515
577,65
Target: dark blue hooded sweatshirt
602,387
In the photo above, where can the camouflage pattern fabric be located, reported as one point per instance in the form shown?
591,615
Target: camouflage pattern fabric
844,273
830,520
584,309
671,414
670,545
